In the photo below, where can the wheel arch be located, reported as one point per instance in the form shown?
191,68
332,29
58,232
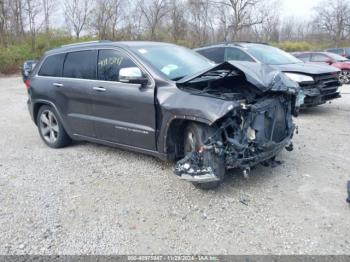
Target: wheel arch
174,135
39,103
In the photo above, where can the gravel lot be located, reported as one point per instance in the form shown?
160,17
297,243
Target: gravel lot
92,199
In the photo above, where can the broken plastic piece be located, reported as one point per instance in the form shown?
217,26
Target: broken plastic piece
246,173
191,169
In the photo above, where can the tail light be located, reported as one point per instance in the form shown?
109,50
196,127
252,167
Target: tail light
27,83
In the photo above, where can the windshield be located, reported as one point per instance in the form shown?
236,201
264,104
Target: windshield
174,61
337,58
271,56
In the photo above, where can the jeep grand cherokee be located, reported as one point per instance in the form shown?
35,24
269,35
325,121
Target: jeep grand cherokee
166,101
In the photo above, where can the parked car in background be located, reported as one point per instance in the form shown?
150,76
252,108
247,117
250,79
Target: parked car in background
166,101
345,51
319,83
328,58
27,68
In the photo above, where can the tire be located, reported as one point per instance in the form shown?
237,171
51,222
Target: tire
51,129
194,138
344,77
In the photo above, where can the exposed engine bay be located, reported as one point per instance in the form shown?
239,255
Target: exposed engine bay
257,126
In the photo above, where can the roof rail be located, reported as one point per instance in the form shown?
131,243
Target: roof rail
84,43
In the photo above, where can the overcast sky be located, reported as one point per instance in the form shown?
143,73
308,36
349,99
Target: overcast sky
299,8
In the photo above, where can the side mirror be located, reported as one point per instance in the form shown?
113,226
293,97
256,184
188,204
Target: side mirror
132,75
329,61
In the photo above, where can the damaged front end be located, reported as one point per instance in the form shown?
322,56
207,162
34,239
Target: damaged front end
257,126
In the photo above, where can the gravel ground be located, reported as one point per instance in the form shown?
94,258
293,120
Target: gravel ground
92,199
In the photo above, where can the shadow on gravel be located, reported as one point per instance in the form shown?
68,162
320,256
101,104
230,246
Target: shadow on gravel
318,110
258,175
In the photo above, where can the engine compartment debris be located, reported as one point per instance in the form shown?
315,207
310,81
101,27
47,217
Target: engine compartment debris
257,126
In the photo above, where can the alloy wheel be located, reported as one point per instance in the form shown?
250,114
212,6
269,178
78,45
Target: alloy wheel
344,77
49,126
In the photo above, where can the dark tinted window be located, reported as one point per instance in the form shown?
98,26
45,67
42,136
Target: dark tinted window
216,54
319,58
81,64
109,64
52,66
304,57
237,55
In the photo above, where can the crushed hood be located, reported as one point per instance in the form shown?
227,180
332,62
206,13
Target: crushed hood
263,77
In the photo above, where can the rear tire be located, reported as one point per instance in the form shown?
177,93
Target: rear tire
195,136
51,129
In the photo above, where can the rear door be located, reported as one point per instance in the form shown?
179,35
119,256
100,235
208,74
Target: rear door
75,90
124,113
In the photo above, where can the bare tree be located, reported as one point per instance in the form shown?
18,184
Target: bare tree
32,9
76,14
153,12
200,21
332,17
3,19
270,26
106,16
177,11
47,10
16,8
242,14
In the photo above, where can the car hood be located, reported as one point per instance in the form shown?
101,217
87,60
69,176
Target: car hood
263,77
306,68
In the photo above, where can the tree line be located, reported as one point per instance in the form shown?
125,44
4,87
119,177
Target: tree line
187,22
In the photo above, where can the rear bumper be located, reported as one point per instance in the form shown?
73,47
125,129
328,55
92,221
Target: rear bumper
30,108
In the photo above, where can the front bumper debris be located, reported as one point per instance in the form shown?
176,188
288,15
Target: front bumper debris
244,138
192,169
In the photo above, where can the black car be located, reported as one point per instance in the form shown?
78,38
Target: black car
27,68
319,83
166,101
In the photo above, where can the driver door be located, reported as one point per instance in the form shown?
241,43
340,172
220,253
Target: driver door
124,113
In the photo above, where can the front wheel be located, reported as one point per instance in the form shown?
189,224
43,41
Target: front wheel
344,77
195,137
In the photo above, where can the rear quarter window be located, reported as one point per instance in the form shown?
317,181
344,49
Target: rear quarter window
81,64
216,54
52,66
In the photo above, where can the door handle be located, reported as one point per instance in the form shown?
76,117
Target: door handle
99,89
57,84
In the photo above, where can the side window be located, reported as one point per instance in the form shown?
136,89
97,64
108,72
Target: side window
337,51
52,66
109,64
319,58
216,54
237,55
304,57
80,64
